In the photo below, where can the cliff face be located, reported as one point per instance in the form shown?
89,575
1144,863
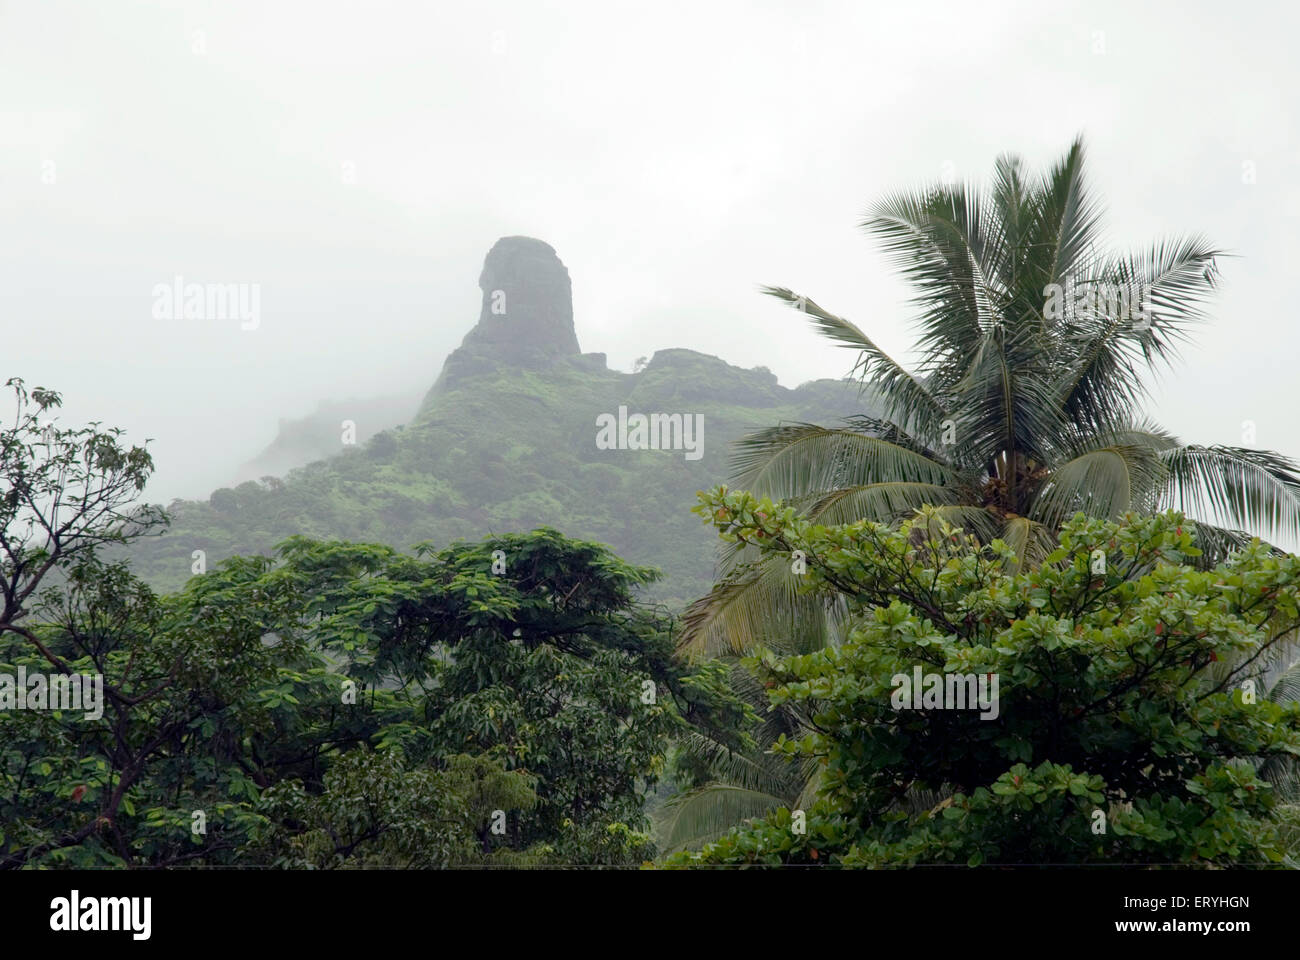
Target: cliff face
526,317
527,307
510,438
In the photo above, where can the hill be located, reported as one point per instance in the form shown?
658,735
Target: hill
520,430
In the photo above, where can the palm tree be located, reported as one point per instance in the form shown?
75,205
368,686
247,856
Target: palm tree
1018,414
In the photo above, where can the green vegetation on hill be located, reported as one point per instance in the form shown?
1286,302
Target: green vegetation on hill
501,447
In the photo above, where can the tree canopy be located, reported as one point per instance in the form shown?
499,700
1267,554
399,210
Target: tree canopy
1131,722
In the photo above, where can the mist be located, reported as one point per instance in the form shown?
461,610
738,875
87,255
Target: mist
356,161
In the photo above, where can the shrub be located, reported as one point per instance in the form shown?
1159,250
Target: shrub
1128,726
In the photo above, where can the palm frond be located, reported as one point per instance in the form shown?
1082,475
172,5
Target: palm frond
978,520
757,604
1102,482
1256,491
905,397
761,772
696,817
1217,543
1286,688
881,502
1065,220
1029,540
948,245
1283,772
1173,280
1006,401
803,459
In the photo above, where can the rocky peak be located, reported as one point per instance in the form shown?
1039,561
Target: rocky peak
527,300
526,317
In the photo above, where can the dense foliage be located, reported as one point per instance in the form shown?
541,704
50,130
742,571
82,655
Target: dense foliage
1129,728
344,704
338,704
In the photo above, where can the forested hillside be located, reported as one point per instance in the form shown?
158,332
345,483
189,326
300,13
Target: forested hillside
506,440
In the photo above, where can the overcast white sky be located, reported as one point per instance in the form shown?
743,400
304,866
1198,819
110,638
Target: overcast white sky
676,155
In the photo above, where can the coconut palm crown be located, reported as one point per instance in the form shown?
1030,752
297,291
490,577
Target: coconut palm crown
1034,352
